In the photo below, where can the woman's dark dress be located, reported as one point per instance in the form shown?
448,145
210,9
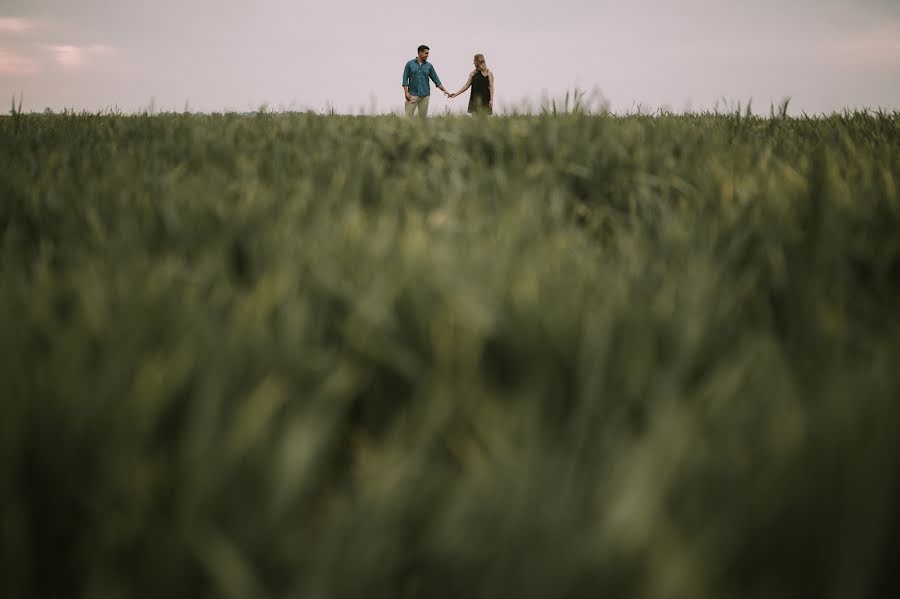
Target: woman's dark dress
479,99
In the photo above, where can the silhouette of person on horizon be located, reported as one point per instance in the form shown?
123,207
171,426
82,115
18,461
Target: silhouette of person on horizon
481,80
416,87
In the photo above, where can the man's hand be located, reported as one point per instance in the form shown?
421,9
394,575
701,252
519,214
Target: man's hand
408,96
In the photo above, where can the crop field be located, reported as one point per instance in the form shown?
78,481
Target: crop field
558,355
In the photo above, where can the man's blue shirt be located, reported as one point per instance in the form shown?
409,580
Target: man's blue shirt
416,76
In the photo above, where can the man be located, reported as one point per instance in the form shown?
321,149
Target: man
416,87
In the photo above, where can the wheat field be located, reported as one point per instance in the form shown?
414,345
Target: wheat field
557,355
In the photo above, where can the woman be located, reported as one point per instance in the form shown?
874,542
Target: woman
481,80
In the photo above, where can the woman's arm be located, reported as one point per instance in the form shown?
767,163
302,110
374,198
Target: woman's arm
491,79
465,87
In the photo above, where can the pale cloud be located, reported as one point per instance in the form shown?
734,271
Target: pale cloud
874,46
78,56
826,54
15,25
16,64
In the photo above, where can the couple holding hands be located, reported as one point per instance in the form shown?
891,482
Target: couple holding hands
417,88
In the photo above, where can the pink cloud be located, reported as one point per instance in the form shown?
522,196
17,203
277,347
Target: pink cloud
78,56
15,25
15,64
874,46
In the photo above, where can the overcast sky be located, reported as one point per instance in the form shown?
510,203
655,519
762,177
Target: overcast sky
214,55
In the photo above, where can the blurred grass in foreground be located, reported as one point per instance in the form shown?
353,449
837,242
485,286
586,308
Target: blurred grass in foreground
557,356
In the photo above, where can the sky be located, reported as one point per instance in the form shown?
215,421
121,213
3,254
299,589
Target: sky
222,55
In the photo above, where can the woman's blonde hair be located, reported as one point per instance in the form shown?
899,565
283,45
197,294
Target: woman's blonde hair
480,64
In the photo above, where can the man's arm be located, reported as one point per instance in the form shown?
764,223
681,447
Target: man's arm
406,82
437,81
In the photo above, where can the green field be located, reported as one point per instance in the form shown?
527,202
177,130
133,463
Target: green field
561,355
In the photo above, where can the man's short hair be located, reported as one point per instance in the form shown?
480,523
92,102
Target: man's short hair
423,47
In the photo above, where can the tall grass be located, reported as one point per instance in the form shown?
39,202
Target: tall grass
289,355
